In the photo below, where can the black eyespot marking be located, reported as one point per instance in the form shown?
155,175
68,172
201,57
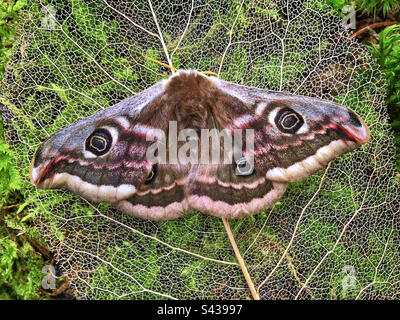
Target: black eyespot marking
288,120
354,120
152,174
242,167
99,142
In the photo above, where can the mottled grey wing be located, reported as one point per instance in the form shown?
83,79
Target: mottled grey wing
284,150
325,131
103,157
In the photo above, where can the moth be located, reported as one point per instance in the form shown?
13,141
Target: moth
103,158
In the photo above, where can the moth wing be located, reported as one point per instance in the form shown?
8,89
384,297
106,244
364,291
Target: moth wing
329,130
63,161
326,130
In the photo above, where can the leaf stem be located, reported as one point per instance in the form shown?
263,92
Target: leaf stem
240,260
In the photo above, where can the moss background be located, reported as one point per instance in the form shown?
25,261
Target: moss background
22,256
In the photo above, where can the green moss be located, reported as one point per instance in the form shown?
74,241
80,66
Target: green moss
20,267
387,53
375,7
9,17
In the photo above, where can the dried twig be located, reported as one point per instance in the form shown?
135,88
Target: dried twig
58,291
371,26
